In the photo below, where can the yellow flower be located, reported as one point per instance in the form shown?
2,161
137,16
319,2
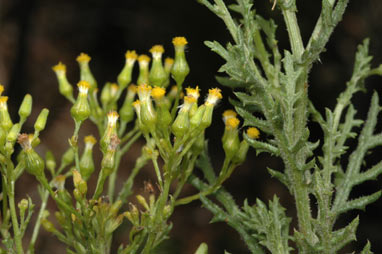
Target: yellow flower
253,133
83,58
179,41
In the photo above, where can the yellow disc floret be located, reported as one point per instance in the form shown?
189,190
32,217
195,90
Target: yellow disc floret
232,123
131,54
90,139
194,92
143,58
60,67
112,118
158,92
157,49
3,101
179,41
169,61
253,133
82,58
213,96
83,86
228,114
132,88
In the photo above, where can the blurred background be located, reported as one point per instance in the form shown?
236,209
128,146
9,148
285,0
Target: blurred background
36,34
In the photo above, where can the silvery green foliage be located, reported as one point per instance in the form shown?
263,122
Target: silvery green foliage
271,90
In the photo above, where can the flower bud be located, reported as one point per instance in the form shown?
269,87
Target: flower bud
105,94
214,95
48,226
68,157
50,161
124,78
143,61
59,182
13,133
253,133
114,208
241,154
111,130
5,119
34,163
41,120
163,113
23,206
80,111
157,76
182,123
85,73
26,107
168,63
127,112
193,92
228,114
64,86
180,68
79,183
147,114
108,160
230,140
86,161
1,89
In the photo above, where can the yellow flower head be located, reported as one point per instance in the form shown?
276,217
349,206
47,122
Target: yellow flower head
59,68
112,118
83,86
1,89
143,59
253,133
168,61
59,182
3,102
90,140
193,92
213,96
228,114
179,41
132,88
188,102
232,123
131,54
137,106
83,58
144,91
157,49
158,92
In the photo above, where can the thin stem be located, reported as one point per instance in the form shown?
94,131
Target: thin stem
157,171
15,223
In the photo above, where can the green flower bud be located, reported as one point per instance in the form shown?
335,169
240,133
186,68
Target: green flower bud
163,113
60,218
230,140
157,76
108,160
5,119
114,208
59,182
85,73
105,94
23,206
198,146
143,202
124,78
50,162
111,130
180,68
127,111
34,163
182,123
147,112
143,61
137,107
68,157
64,86
26,107
48,226
86,161
40,123
77,195
241,154
196,119
168,63
13,133
80,111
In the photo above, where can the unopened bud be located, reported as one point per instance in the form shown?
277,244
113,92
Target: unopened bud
157,75
80,111
79,183
64,86
48,226
50,161
86,161
6,121
67,157
85,73
124,78
41,120
26,107
143,61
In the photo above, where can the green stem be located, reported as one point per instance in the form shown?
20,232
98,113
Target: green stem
15,223
293,32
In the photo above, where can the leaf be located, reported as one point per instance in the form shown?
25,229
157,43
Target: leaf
344,235
367,249
229,82
280,176
262,146
359,203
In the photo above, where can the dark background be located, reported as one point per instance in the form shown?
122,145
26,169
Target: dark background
36,34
